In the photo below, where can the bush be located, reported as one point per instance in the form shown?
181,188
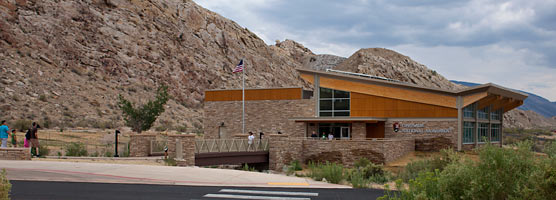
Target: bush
294,166
500,173
550,149
332,172
94,154
75,149
246,168
22,125
170,162
412,170
358,179
5,186
108,154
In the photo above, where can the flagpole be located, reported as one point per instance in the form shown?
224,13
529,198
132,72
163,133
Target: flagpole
243,96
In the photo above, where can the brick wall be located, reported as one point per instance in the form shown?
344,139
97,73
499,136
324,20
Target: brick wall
15,154
140,144
268,116
187,146
358,130
423,134
283,150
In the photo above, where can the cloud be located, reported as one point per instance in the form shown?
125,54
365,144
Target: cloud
512,43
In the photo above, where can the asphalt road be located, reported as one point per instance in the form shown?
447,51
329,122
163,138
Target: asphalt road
72,190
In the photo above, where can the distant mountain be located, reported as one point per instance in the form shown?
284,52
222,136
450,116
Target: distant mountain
534,102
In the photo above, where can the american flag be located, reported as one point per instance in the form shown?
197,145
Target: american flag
239,67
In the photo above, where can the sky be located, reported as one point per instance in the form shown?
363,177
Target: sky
510,43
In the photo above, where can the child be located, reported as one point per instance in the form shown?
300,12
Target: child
14,139
26,139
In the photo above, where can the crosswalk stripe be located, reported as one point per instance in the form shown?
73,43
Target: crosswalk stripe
233,196
270,192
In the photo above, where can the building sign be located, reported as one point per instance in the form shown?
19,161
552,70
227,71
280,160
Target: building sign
418,128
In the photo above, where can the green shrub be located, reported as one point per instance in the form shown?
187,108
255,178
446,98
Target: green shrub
358,179
500,173
75,149
293,166
170,162
108,154
94,154
550,149
412,170
5,186
332,172
43,150
246,168
22,125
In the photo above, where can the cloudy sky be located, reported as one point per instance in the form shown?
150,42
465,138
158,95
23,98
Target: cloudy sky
510,43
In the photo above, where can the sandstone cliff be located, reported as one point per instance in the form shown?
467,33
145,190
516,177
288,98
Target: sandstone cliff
68,60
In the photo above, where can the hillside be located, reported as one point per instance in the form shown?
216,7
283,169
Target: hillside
68,60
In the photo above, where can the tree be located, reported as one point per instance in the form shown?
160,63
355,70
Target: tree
141,118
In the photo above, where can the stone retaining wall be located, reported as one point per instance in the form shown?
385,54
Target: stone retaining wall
140,144
15,153
283,150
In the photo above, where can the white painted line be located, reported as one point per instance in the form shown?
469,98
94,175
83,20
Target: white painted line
232,196
271,192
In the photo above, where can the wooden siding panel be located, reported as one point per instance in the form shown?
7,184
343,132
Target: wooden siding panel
254,94
363,105
389,92
469,99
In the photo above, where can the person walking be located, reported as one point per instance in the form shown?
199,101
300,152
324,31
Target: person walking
330,136
14,139
4,132
261,135
250,139
35,139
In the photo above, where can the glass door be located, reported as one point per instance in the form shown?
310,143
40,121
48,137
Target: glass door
345,133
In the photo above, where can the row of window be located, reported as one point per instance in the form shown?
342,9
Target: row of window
483,132
333,103
469,112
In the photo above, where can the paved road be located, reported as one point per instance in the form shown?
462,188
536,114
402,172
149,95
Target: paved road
76,190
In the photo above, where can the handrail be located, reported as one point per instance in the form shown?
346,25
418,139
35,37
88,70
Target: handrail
351,139
229,145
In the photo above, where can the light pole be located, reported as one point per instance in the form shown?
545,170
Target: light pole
116,143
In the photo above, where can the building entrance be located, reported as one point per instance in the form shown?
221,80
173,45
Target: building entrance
339,130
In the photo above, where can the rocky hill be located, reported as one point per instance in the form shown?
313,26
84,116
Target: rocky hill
390,64
518,118
67,61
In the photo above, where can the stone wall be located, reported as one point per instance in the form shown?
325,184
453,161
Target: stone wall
187,142
15,153
140,144
423,130
283,150
267,116
358,130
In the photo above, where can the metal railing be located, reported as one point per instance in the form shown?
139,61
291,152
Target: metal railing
229,145
157,147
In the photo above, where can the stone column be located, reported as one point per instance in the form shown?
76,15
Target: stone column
187,143
358,130
140,144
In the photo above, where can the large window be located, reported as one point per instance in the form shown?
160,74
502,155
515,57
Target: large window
483,132
496,115
495,132
468,132
469,111
333,103
483,113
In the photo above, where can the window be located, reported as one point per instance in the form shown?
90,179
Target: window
495,132
468,132
469,111
333,103
495,115
483,113
483,132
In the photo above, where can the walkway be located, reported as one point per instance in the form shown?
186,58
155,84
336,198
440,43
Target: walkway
143,174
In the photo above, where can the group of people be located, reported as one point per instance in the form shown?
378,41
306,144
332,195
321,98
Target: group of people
251,137
31,137
315,136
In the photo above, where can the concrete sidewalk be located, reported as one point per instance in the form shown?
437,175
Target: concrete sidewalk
143,174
